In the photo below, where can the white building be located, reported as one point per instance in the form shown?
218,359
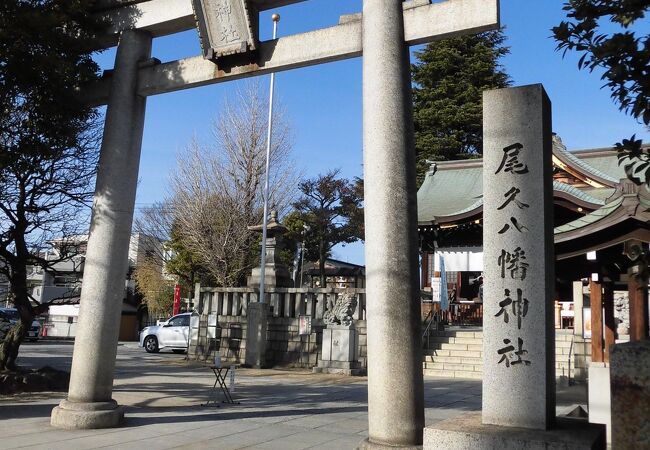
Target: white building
62,284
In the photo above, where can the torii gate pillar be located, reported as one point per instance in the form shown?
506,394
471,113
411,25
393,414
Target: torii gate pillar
395,386
89,403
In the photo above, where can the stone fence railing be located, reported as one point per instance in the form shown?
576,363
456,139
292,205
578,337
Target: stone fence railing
284,302
285,345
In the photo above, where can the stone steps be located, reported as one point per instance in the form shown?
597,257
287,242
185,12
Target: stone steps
459,354
453,374
454,354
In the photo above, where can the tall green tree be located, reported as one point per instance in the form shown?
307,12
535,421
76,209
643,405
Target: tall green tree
612,38
449,78
330,207
48,151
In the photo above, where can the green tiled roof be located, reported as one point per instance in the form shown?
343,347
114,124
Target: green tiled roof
606,164
457,186
590,218
584,166
449,192
599,193
577,193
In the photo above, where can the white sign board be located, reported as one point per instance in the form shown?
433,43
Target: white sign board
435,288
304,325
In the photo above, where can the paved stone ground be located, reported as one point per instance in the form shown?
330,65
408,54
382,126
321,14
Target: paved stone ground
163,395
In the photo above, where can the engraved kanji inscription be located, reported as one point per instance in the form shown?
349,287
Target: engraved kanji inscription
510,161
513,264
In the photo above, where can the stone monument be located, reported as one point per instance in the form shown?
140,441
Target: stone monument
518,326
340,338
518,408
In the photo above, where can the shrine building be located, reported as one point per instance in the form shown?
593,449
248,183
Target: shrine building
601,221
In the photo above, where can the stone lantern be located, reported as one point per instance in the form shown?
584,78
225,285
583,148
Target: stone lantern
276,272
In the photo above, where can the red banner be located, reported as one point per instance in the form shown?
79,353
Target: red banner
177,300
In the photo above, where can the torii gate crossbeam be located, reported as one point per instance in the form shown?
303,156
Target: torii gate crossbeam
422,24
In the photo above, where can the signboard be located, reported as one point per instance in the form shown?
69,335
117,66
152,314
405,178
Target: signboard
226,27
177,300
194,327
304,325
212,326
435,289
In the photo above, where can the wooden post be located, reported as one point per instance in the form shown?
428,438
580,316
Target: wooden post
596,297
638,295
610,321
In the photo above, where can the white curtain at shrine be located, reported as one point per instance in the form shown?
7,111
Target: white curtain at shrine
460,259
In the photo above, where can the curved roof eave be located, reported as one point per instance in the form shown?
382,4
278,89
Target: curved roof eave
580,168
576,196
560,190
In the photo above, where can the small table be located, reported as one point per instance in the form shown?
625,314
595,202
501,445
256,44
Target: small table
220,374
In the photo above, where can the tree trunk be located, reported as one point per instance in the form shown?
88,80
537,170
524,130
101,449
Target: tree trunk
321,264
10,345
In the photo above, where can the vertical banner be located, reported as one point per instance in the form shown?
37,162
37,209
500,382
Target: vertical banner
444,296
177,300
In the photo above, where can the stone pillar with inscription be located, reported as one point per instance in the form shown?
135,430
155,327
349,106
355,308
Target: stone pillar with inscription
518,408
518,329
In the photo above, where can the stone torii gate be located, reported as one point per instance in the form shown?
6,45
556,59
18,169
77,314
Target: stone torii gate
383,35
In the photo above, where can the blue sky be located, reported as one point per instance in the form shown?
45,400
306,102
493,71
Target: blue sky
323,103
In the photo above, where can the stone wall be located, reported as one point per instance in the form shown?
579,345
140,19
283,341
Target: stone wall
572,356
286,348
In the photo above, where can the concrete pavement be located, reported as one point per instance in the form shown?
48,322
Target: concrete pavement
163,396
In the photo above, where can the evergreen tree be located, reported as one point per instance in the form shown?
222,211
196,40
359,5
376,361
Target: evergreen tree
449,77
330,207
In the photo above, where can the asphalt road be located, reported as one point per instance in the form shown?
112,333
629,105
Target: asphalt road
58,354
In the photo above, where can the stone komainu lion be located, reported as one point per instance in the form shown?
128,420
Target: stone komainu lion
340,312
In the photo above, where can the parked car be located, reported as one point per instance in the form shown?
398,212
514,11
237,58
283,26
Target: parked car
11,315
172,334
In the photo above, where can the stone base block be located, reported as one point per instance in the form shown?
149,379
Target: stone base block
600,405
83,416
367,445
339,367
467,432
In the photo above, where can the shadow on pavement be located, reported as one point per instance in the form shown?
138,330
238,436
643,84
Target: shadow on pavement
205,414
